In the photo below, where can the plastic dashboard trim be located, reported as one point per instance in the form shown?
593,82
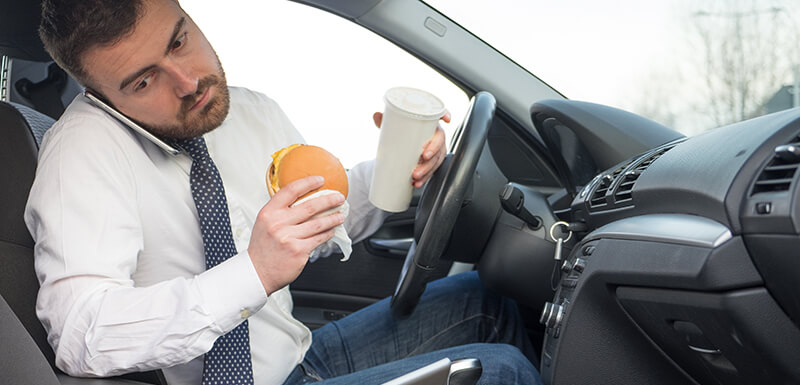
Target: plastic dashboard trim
683,229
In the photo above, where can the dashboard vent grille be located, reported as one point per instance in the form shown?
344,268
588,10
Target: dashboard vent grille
780,171
624,189
598,198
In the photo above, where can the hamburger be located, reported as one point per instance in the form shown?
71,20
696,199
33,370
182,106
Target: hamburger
300,160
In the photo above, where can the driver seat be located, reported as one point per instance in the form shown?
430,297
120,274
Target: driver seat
21,131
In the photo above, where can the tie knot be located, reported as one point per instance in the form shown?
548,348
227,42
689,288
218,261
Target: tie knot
194,147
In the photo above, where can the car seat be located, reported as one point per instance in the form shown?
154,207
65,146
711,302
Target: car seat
21,131
18,283
18,149
20,360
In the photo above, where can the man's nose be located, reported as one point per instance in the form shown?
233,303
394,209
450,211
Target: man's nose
184,80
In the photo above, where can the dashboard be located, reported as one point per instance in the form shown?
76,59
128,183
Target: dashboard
687,271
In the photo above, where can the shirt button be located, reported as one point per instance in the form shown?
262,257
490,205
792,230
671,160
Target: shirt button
239,232
245,313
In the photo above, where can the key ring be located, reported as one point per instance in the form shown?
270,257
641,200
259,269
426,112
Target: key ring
553,228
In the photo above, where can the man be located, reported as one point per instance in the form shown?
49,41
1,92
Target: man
136,249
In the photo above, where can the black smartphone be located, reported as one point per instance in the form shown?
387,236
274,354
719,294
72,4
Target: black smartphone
97,101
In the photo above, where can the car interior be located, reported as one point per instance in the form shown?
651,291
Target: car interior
636,254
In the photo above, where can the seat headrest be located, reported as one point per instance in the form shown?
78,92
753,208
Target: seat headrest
38,122
19,31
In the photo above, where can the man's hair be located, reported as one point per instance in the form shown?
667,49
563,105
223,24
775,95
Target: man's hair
70,28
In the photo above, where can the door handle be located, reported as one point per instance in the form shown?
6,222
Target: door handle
394,246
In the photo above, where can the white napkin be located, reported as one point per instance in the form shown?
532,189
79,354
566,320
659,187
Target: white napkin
340,237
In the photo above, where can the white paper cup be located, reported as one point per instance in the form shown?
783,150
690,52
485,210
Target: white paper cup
409,121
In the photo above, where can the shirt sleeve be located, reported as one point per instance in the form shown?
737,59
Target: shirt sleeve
364,218
82,212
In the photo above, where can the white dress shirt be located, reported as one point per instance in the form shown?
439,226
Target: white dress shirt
119,254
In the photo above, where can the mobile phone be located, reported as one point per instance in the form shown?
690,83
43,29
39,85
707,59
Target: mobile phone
97,101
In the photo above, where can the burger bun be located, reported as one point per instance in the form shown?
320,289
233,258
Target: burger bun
299,161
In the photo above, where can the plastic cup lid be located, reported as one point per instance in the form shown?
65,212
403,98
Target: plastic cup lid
416,103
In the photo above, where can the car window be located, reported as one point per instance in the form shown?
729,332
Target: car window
327,73
689,64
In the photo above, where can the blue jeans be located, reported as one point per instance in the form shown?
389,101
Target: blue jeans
456,318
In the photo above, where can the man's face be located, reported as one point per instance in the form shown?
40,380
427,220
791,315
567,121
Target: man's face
164,75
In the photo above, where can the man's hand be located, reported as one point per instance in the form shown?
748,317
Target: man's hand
283,236
432,155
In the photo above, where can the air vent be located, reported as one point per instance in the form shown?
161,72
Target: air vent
779,172
598,198
623,191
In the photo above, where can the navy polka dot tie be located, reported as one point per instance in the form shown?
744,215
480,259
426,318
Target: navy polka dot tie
228,362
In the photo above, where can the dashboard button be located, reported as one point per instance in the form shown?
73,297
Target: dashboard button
764,207
579,265
569,283
566,266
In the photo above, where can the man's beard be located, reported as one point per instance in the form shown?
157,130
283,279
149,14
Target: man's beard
199,122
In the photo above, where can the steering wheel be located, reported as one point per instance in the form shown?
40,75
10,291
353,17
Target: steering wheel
446,190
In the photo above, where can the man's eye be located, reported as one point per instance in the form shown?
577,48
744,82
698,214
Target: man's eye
178,43
142,84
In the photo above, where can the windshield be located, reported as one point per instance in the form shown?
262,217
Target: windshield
691,65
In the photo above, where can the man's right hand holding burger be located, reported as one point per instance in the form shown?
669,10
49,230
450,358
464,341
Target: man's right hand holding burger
285,233
284,236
